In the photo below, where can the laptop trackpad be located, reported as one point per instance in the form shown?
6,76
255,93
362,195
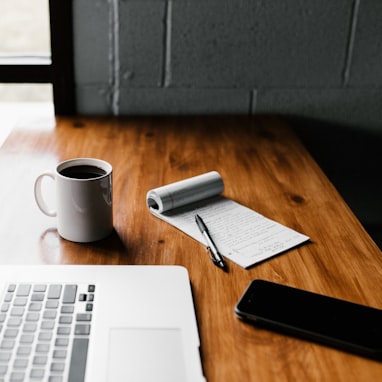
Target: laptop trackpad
146,355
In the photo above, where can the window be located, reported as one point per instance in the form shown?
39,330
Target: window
53,63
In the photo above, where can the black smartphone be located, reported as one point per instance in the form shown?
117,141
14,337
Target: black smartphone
345,325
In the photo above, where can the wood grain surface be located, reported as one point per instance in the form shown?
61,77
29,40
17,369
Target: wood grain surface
264,166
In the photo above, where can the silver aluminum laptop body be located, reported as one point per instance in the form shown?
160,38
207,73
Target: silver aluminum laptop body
133,323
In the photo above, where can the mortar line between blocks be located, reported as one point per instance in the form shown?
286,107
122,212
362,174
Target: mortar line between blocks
351,41
166,65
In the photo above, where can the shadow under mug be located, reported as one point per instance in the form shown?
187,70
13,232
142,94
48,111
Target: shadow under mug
84,208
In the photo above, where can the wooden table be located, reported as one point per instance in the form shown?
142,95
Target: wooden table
264,166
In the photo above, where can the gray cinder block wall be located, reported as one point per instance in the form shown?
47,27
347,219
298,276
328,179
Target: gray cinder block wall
317,59
313,58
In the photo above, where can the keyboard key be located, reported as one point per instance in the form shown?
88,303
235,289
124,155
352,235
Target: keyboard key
11,333
65,320
63,330
29,327
38,297
35,306
57,366
78,359
8,297
47,325
59,354
17,311
37,374
27,338
45,336
89,307
32,316
20,363
3,370
69,309
20,301
5,307
55,378
14,321
62,342
84,317
42,348
40,360
24,350
39,288
69,294
54,291
50,314
23,290
82,329
17,376
5,356
7,344
51,304
11,288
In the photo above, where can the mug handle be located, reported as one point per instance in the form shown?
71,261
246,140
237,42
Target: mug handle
38,194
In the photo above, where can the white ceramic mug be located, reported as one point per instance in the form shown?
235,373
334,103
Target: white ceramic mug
84,199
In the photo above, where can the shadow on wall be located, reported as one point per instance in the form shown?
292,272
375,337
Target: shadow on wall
352,159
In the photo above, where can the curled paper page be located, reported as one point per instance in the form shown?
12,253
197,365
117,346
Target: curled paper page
185,192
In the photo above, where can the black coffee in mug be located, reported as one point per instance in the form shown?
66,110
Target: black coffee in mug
82,172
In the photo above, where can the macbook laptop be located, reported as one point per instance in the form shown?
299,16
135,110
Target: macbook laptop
97,323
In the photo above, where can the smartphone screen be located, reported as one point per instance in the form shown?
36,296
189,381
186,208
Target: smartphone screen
342,324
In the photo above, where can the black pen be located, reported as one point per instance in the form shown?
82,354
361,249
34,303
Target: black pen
216,257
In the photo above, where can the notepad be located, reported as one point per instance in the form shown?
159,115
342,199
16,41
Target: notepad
241,234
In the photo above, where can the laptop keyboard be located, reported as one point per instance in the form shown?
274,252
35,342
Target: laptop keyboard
44,331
